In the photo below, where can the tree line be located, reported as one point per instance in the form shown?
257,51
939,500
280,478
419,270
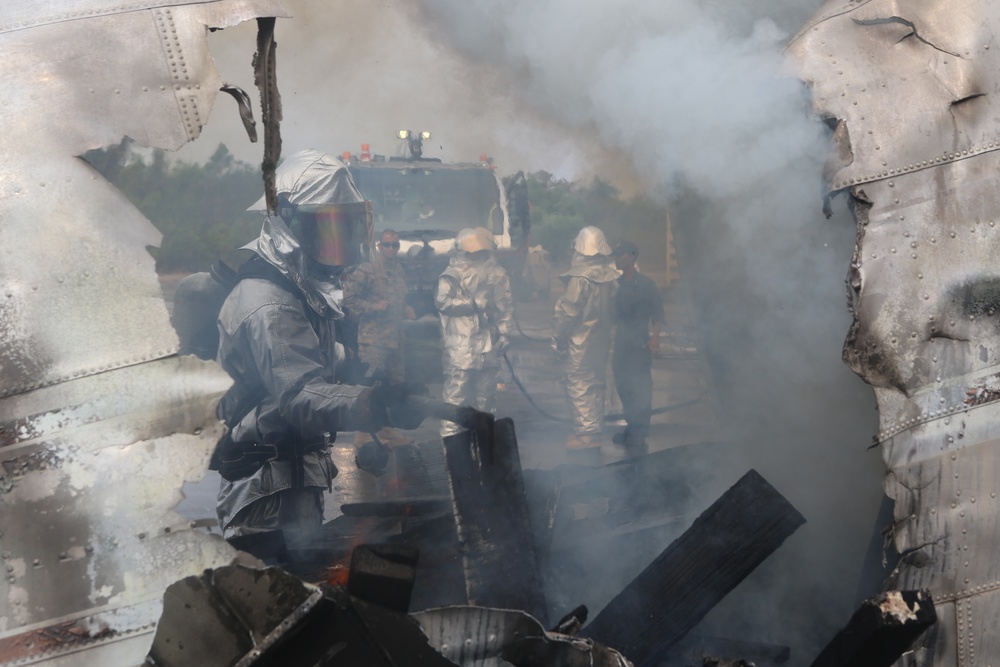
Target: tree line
201,208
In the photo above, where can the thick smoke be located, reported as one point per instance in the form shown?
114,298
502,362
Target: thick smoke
354,72
697,96
686,99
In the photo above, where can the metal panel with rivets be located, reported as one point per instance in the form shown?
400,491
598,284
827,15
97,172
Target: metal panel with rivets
913,91
100,421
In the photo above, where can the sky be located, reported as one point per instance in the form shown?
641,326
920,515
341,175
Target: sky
691,101
353,72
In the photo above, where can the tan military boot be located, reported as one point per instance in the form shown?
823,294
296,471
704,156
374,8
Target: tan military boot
584,449
583,442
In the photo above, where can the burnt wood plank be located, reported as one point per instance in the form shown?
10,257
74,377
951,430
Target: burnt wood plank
724,545
880,631
491,514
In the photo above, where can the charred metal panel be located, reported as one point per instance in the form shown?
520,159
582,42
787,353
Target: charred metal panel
486,637
916,88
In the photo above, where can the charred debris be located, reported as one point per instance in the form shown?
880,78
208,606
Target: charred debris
462,568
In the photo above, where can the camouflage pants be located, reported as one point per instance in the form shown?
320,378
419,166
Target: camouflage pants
385,363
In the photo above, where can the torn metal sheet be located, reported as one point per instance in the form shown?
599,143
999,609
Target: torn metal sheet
228,615
79,292
913,89
100,422
883,69
484,637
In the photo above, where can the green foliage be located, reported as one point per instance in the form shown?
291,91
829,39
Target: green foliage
560,209
199,208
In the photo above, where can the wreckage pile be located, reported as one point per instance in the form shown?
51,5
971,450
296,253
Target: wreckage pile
462,567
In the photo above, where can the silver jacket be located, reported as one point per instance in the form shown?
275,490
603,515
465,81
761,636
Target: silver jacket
283,346
583,313
472,299
582,328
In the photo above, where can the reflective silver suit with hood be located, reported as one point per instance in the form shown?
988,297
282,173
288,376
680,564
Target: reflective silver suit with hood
283,346
582,328
472,298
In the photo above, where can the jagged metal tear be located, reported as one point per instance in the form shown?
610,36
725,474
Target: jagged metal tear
100,421
914,91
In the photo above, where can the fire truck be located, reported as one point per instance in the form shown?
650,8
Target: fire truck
428,201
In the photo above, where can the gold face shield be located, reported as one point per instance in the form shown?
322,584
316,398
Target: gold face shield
331,234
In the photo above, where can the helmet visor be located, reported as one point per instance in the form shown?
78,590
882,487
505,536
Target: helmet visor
332,234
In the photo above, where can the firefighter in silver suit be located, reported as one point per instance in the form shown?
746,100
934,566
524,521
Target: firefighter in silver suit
277,340
474,300
582,331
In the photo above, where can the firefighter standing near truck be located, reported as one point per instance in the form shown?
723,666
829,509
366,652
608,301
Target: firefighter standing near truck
582,332
474,299
374,294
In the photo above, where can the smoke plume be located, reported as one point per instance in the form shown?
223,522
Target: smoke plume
687,99
697,96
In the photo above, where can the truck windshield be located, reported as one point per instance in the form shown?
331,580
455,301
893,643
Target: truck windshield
416,199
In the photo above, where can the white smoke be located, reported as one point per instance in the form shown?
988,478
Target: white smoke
682,97
698,97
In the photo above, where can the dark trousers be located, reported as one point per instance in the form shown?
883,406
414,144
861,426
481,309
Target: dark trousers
633,370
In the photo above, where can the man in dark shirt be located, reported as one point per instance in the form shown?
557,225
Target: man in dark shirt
639,320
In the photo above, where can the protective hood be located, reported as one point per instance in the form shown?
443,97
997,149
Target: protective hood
311,177
279,247
590,241
307,178
598,268
473,240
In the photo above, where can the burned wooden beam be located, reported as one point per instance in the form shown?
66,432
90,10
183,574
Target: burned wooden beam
724,545
491,515
881,631
398,507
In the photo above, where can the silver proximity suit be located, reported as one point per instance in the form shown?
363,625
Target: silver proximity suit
477,317
281,347
582,328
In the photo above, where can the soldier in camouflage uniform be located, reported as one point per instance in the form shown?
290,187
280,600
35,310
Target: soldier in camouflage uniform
374,294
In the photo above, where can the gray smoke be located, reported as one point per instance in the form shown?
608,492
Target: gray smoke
687,99
697,95
355,72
